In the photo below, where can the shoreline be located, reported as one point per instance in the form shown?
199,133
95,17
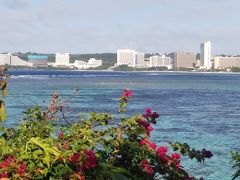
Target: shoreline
111,71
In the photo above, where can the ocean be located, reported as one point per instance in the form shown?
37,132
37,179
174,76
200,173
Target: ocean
201,109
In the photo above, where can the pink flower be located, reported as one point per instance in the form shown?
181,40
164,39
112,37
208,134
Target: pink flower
91,162
152,145
143,123
3,175
60,135
74,158
155,115
162,150
148,110
143,142
7,161
150,128
127,93
146,167
149,143
176,159
149,115
175,156
21,169
164,159
177,165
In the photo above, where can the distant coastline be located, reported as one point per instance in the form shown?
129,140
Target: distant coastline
105,70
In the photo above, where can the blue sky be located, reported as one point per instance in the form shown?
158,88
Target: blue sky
96,26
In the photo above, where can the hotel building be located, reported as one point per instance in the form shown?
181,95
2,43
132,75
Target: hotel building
205,55
62,59
159,61
130,57
221,62
184,60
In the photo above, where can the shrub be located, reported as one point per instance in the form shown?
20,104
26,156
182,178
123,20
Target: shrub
97,147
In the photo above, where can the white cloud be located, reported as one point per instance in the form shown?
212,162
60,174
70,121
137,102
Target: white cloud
100,26
15,3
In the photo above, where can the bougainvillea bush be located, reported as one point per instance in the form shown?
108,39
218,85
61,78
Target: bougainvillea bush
98,146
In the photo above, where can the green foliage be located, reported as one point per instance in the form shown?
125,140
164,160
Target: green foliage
185,150
128,68
236,160
3,88
99,146
235,69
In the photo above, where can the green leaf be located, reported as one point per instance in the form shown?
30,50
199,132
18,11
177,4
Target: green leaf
116,176
2,111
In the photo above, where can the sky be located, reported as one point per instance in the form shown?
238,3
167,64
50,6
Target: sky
98,26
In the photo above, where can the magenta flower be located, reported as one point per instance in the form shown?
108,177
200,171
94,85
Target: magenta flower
175,156
22,168
177,165
150,128
127,93
151,145
142,142
147,167
206,153
155,115
150,116
162,150
144,124
74,158
91,161
7,161
148,111
3,175
60,135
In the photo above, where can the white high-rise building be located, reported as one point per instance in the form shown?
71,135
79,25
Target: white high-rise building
158,61
62,59
205,54
130,57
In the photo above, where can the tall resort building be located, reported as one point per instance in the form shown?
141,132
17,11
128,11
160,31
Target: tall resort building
159,61
130,57
184,60
62,59
205,55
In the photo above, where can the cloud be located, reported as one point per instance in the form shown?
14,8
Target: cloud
13,4
104,26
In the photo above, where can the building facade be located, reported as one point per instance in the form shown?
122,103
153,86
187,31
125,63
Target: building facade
92,63
160,61
38,60
5,59
205,55
184,60
130,57
221,62
62,59
9,59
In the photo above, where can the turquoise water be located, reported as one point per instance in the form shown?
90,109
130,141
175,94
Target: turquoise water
200,109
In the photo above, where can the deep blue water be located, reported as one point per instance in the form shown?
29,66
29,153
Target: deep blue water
201,109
